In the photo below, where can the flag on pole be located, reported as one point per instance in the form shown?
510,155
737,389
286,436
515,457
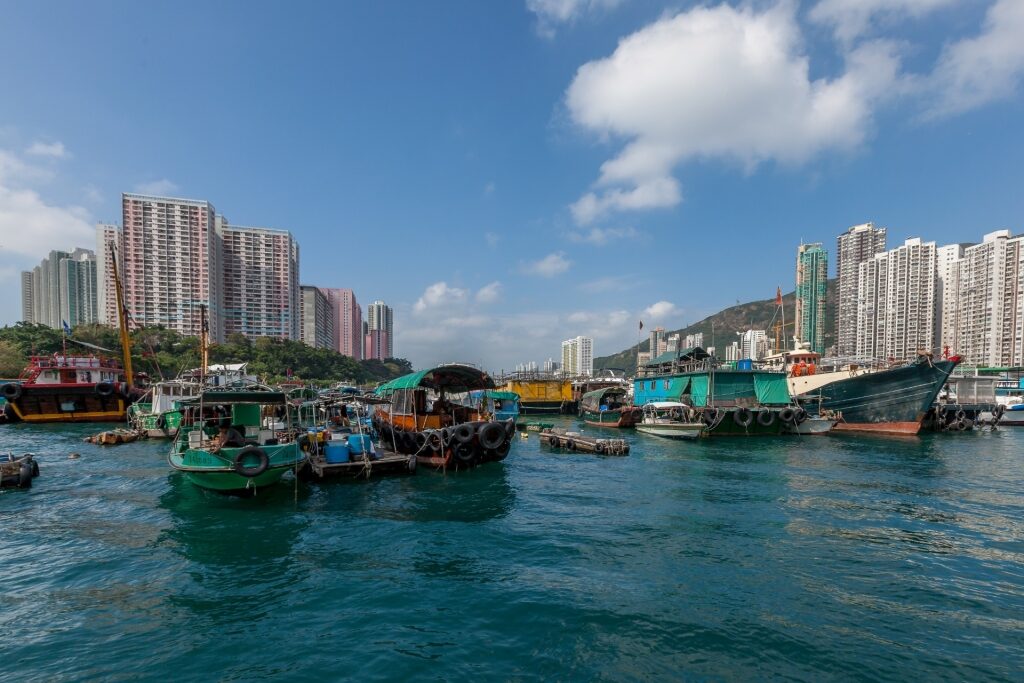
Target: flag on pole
641,324
778,296
67,328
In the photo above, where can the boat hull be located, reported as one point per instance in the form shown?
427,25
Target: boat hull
727,425
542,407
214,471
623,419
672,431
67,404
893,401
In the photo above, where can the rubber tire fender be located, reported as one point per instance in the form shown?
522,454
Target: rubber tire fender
710,416
491,435
554,442
25,476
787,415
464,453
960,414
251,471
800,416
743,417
435,442
11,391
600,448
35,468
765,417
104,389
161,421
464,433
419,440
570,445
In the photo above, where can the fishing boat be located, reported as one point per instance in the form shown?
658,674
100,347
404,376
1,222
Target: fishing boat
669,419
160,416
609,407
601,379
257,458
730,401
540,393
503,405
421,418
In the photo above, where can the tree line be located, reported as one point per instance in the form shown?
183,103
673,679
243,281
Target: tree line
163,353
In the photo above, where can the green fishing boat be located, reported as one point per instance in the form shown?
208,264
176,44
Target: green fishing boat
222,444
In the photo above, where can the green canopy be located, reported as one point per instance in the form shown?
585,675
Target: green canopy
503,395
699,390
771,388
453,379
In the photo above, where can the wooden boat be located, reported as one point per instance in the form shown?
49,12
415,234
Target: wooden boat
420,419
68,388
259,461
609,407
561,439
813,425
540,393
18,472
668,419
503,405
601,379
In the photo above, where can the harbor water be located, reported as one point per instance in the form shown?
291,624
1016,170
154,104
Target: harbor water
814,558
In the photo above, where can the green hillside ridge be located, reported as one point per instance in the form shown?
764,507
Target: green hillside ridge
754,314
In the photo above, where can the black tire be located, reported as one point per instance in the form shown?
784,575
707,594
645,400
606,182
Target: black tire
104,389
161,421
435,442
765,417
960,414
25,476
411,464
446,436
499,453
570,445
599,448
961,425
464,433
554,442
743,417
11,391
491,435
35,469
251,470
801,416
464,453
303,443
710,416
787,415
419,440
510,427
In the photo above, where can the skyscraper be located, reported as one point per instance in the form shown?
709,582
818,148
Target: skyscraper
947,283
317,318
62,288
990,305
578,356
108,237
261,281
348,322
811,283
172,263
28,314
858,244
656,341
379,331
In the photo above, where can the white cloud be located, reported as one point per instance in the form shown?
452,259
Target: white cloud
660,311
553,12
601,236
549,266
982,69
489,293
722,83
851,19
439,295
157,187
48,149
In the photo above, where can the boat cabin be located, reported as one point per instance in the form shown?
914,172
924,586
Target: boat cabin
426,399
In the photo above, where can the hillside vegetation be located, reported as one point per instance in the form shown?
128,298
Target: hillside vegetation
725,324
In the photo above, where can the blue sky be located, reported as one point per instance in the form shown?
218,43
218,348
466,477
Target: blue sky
510,174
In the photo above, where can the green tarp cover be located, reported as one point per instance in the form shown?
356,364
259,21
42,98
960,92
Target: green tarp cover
503,395
730,386
771,389
699,390
451,378
592,399
229,397
684,385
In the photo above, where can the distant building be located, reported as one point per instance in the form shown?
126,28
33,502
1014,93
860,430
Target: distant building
672,343
261,281
379,335
62,288
753,344
811,283
578,356
694,340
530,366
855,246
657,342
732,352
108,237
317,318
643,357
947,283
550,365
348,322
172,263
990,305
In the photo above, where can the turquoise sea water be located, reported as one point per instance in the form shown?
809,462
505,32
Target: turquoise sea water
811,558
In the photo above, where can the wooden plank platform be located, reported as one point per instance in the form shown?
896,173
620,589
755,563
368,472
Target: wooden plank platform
386,464
574,441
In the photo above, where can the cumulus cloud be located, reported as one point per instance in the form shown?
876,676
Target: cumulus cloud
157,187
549,266
718,82
982,69
550,13
489,293
48,149
602,236
660,311
438,295
851,19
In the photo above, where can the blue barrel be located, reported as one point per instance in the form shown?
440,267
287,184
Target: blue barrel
336,451
359,444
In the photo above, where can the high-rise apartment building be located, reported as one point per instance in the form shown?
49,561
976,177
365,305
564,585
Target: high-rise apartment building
348,322
753,344
172,263
811,284
896,303
61,289
855,246
379,331
694,340
261,281
578,356
947,284
108,238
990,301
317,316
656,341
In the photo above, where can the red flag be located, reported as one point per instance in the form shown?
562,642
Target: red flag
641,324
778,296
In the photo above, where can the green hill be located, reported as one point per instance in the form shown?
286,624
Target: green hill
725,324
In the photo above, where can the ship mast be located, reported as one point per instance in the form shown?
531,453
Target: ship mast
122,321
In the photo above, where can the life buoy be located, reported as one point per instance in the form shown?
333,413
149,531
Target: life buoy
743,417
491,435
801,416
11,391
250,471
464,433
765,417
710,416
787,415
104,389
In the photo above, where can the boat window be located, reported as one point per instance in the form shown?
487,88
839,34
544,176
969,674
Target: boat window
652,384
665,384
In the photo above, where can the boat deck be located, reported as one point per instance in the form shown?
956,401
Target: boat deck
388,464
